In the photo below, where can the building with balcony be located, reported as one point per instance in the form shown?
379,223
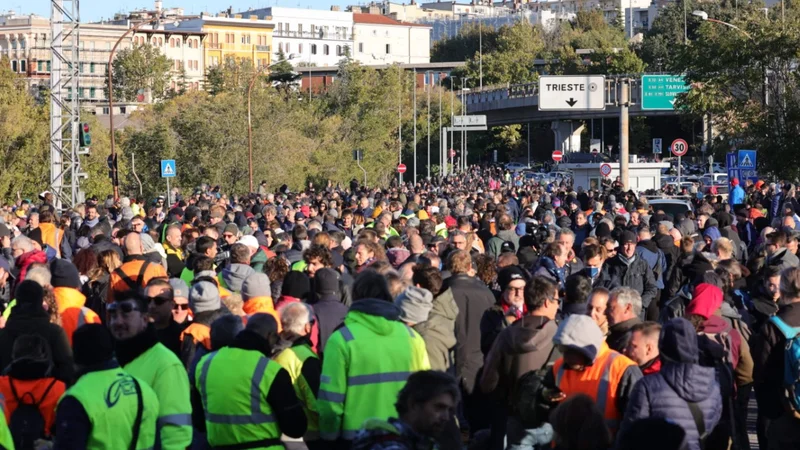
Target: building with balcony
231,36
379,39
310,37
184,48
25,41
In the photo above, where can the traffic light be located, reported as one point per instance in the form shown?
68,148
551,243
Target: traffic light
85,136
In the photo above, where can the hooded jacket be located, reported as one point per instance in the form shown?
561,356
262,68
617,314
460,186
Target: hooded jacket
330,312
682,379
768,348
520,348
783,259
438,331
494,245
234,275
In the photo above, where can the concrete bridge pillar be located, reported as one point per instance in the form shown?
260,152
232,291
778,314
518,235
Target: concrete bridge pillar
567,135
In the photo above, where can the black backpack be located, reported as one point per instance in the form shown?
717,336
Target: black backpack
27,423
530,403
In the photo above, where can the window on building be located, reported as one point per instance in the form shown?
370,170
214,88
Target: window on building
40,66
245,38
313,29
48,66
288,50
178,42
326,50
172,43
160,42
299,28
300,49
81,67
81,92
105,110
13,45
388,49
280,27
339,50
23,66
91,67
280,47
360,47
287,27
91,45
22,44
92,92
313,49
123,109
108,46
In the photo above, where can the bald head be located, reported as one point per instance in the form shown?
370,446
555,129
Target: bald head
416,244
133,244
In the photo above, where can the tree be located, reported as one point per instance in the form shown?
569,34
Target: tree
138,69
282,75
232,75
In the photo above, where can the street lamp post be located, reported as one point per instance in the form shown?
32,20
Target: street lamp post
429,74
452,118
464,89
110,72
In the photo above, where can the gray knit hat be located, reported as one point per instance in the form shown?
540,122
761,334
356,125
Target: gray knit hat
256,285
580,333
204,296
415,304
179,288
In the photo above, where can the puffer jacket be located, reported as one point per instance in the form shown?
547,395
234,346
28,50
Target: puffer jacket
667,394
438,331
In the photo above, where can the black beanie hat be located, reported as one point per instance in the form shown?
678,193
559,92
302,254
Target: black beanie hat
65,274
36,236
92,344
29,292
297,285
326,282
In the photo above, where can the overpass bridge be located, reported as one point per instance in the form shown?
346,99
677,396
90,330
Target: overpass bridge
519,103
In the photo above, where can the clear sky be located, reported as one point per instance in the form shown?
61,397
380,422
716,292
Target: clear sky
94,10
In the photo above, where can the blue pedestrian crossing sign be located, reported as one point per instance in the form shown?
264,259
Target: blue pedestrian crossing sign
746,163
167,168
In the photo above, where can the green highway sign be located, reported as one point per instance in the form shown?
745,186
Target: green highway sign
660,91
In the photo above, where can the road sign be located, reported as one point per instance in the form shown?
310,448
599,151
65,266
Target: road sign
657,147
167,168
401,168
732,164
746,162
660,91
605,169
572,93
594,146
557,156
679,147
469,121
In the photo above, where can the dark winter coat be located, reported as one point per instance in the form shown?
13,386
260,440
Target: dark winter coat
767,347
619,335
688,269
473,298
33,319
636,275
438,331
649,251
330,312
681,380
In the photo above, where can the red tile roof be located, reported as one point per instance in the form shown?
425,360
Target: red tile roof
378,19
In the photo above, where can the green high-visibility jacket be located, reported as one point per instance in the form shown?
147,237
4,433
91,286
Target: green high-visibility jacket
366,363
163,371
110,400
233,385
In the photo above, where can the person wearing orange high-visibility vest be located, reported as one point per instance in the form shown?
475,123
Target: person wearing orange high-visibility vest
588,366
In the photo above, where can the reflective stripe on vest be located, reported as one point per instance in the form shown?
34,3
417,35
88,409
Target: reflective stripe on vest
256,417
82,317
359,380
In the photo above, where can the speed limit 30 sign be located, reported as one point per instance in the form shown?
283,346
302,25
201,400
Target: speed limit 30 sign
679,147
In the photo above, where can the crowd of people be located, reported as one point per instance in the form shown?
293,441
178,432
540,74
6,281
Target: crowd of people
484,311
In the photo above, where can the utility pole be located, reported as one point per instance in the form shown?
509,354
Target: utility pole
624,102
440,126
430,84
400,122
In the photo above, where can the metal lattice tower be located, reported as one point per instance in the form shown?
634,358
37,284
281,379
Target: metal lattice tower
64,107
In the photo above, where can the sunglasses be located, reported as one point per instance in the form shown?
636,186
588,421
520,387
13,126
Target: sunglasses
158,300
180,307
125,308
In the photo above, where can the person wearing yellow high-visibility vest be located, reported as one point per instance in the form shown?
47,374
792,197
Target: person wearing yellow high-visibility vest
248,400
140,354
302,364
107,408
367,362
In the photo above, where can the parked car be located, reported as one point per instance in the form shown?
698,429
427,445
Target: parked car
515,166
